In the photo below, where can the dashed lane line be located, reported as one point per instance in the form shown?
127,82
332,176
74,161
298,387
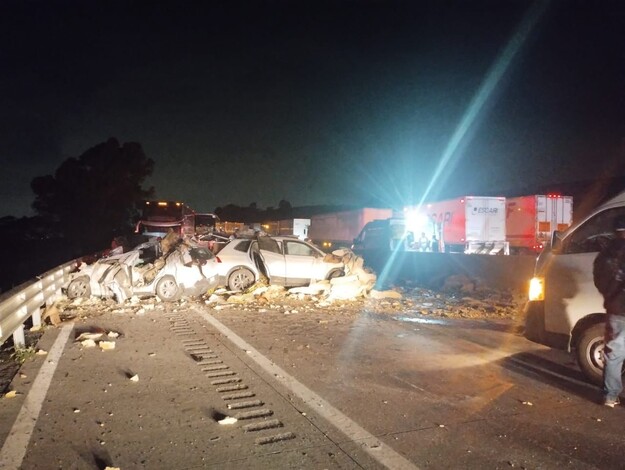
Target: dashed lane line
376,449
15,445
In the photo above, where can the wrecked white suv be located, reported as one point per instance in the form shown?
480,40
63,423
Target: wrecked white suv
145,272
283,261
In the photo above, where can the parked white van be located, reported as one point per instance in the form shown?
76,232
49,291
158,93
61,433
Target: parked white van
565,310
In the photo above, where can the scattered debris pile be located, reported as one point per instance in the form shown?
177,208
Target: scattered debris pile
459,296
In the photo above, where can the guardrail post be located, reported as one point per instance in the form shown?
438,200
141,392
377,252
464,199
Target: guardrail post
18,338
36,316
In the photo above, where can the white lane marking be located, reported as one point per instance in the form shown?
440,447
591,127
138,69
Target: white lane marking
16,443
354,432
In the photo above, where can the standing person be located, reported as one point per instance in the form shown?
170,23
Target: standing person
609,278
424,243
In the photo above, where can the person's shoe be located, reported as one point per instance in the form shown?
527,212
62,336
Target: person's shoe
611,402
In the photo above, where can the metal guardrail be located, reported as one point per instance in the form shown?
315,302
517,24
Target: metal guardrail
25,301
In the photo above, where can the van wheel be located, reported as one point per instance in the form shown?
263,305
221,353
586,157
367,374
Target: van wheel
167,289
240,279
590,352
79,287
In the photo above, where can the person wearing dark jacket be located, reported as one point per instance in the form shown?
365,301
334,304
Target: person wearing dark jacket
609,278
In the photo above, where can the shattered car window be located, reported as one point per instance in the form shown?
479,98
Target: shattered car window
269,244
299,249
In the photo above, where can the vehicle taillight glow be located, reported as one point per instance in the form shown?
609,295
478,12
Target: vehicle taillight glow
217,258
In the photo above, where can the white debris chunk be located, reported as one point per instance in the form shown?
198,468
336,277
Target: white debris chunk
87,335
88,343
41,352
106,345
134,378
384,294
228,420
11,394
112,334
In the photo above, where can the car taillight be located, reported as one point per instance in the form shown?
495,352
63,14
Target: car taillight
217,258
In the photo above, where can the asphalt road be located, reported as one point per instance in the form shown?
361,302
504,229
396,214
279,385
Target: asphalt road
312,390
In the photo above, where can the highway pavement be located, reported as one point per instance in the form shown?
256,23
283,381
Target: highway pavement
302,390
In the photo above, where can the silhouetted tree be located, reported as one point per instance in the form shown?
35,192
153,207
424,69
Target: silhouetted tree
94,196
284,209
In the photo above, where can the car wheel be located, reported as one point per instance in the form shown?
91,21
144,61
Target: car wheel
590,352
79,287
240,279
167,289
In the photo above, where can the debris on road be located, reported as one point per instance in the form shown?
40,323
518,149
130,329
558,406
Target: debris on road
457,296
52,314
106,345
228,420
88,336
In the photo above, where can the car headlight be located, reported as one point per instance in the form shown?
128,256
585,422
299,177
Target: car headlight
537,289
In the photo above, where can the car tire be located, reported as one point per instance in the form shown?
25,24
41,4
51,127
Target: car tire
590,352
240,279
167,289
79,287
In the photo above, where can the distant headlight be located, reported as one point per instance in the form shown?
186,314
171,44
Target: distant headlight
537,289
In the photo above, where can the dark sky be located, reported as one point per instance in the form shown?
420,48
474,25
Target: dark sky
315,102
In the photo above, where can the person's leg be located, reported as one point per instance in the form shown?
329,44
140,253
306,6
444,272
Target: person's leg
614,357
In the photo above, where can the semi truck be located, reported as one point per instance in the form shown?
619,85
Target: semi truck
530,220
336,229
470,224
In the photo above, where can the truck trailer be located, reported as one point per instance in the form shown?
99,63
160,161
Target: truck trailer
288,227
530,220
469,224
338,229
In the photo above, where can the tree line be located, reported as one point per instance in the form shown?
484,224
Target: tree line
87,202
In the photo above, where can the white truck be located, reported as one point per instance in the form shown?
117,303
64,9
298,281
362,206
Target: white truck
530,220
287,227
469,224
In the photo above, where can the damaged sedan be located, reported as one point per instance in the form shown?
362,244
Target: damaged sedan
282,260
145,271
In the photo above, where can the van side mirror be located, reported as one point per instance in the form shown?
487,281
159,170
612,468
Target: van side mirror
556,240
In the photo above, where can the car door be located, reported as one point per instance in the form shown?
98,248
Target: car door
301,262
271,258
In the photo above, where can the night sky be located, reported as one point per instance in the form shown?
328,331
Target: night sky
316,102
